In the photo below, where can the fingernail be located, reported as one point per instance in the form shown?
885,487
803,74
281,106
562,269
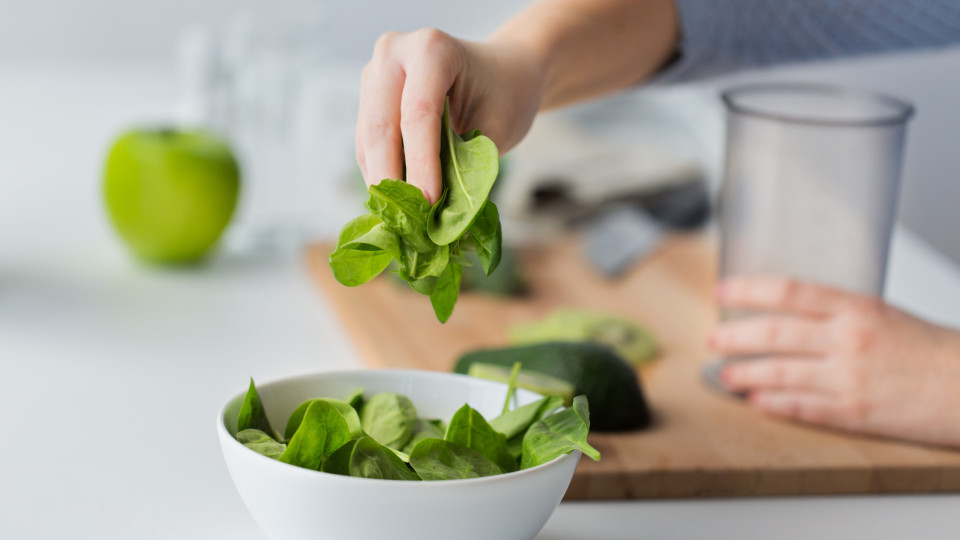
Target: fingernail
428,196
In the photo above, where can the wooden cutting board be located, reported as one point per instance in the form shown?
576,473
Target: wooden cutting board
701,444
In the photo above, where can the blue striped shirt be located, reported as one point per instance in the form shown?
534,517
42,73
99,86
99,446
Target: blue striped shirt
719,36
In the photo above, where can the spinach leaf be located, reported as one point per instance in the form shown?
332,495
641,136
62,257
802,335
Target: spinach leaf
423,285
261,443
349,414
558,434
345,409
436,459
403,456
352,266
444,296
517,421
425,429
487,237
470,429
252,415
357,227
469,168
327,434
515,446
355,398
322,431
403,209
379,238
422,264
366,458
389,419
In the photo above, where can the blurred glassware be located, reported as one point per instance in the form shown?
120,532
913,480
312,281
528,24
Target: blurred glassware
197,77
269,84
810,186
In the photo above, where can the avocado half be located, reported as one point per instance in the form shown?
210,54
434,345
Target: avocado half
610,385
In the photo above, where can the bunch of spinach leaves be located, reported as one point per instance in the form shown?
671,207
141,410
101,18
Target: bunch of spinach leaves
428,242
383,437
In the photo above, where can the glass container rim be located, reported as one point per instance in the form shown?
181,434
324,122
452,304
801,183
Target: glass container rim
901,110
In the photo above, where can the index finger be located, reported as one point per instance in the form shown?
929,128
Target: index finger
767,293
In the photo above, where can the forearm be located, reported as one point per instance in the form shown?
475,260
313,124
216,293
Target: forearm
587,48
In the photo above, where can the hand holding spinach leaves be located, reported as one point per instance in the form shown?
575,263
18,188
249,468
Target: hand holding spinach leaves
386,438
427,242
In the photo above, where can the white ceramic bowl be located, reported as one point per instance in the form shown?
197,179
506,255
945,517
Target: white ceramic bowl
291,503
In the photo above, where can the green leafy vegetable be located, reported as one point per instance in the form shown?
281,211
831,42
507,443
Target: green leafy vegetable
444,296
470,167
261,443
355,398
366,458
470,429
514,424
558,434
327,434
436,459
344,408
322,431
427,242
355,264
379,238
252,415
403,209
389,418
423,285
487,237
425,429
400,454
419,265
517,421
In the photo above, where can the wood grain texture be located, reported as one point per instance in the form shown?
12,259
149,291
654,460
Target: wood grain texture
701,444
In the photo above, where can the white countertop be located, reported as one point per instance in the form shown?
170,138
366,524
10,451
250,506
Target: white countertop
114,372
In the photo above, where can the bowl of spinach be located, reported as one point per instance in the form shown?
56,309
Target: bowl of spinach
400,454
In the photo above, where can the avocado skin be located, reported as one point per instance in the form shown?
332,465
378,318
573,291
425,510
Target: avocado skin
611,386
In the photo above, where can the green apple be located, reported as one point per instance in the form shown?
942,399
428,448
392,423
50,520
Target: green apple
170,193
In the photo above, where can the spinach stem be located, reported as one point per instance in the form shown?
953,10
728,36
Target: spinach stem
511,386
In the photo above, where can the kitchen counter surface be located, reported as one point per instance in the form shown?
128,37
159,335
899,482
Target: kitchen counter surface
114,372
